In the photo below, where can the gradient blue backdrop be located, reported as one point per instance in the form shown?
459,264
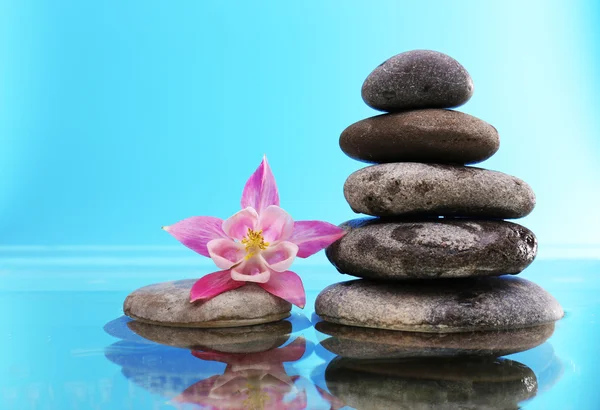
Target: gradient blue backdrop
119,117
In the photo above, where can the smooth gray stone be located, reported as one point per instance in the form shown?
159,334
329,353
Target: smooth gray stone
245,339
168,304
475,383
363,343
417,79
432,248
401,189
439,306
430,135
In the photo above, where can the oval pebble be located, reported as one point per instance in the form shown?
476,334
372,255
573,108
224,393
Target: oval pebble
417,79
433,135
402,189
168,304
377,248
439,306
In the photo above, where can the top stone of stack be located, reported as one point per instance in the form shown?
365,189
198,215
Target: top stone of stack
417,79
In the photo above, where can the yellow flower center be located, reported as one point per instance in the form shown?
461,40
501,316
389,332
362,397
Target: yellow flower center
254,242
257,399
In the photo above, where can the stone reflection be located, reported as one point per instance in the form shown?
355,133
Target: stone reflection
245,339
235,368
365,343
234,339
380,369
431,383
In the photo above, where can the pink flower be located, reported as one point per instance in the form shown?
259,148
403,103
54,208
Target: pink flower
258,244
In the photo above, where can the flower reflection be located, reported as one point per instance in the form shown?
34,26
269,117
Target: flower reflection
235,368
250,381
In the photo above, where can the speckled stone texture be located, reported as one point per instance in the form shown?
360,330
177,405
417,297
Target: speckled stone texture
432,135
168,304
440,306
400,189
432,248
417,79
363,343
476,383
245,339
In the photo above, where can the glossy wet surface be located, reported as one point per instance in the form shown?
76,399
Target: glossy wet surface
67,346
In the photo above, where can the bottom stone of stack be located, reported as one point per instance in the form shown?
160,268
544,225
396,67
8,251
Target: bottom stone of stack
439,306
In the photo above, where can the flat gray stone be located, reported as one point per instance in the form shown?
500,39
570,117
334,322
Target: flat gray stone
245,339
363,343
168,304
439,306
432,248
430,135
417,79
400,189
475,383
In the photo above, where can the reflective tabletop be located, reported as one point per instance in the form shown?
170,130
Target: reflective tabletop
67,345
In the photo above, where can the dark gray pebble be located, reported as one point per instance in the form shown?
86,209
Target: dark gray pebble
432,248
417,79
432,135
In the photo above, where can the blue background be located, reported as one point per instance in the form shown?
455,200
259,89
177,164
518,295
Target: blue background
119,117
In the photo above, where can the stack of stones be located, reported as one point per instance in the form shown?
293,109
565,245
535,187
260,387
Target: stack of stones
438,257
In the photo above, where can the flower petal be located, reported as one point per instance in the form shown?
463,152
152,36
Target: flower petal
260,190
292,352
237,226
276,224
288,286
214,356
198,393
312,236
225,253
212,285
197,231
281,256
254,269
